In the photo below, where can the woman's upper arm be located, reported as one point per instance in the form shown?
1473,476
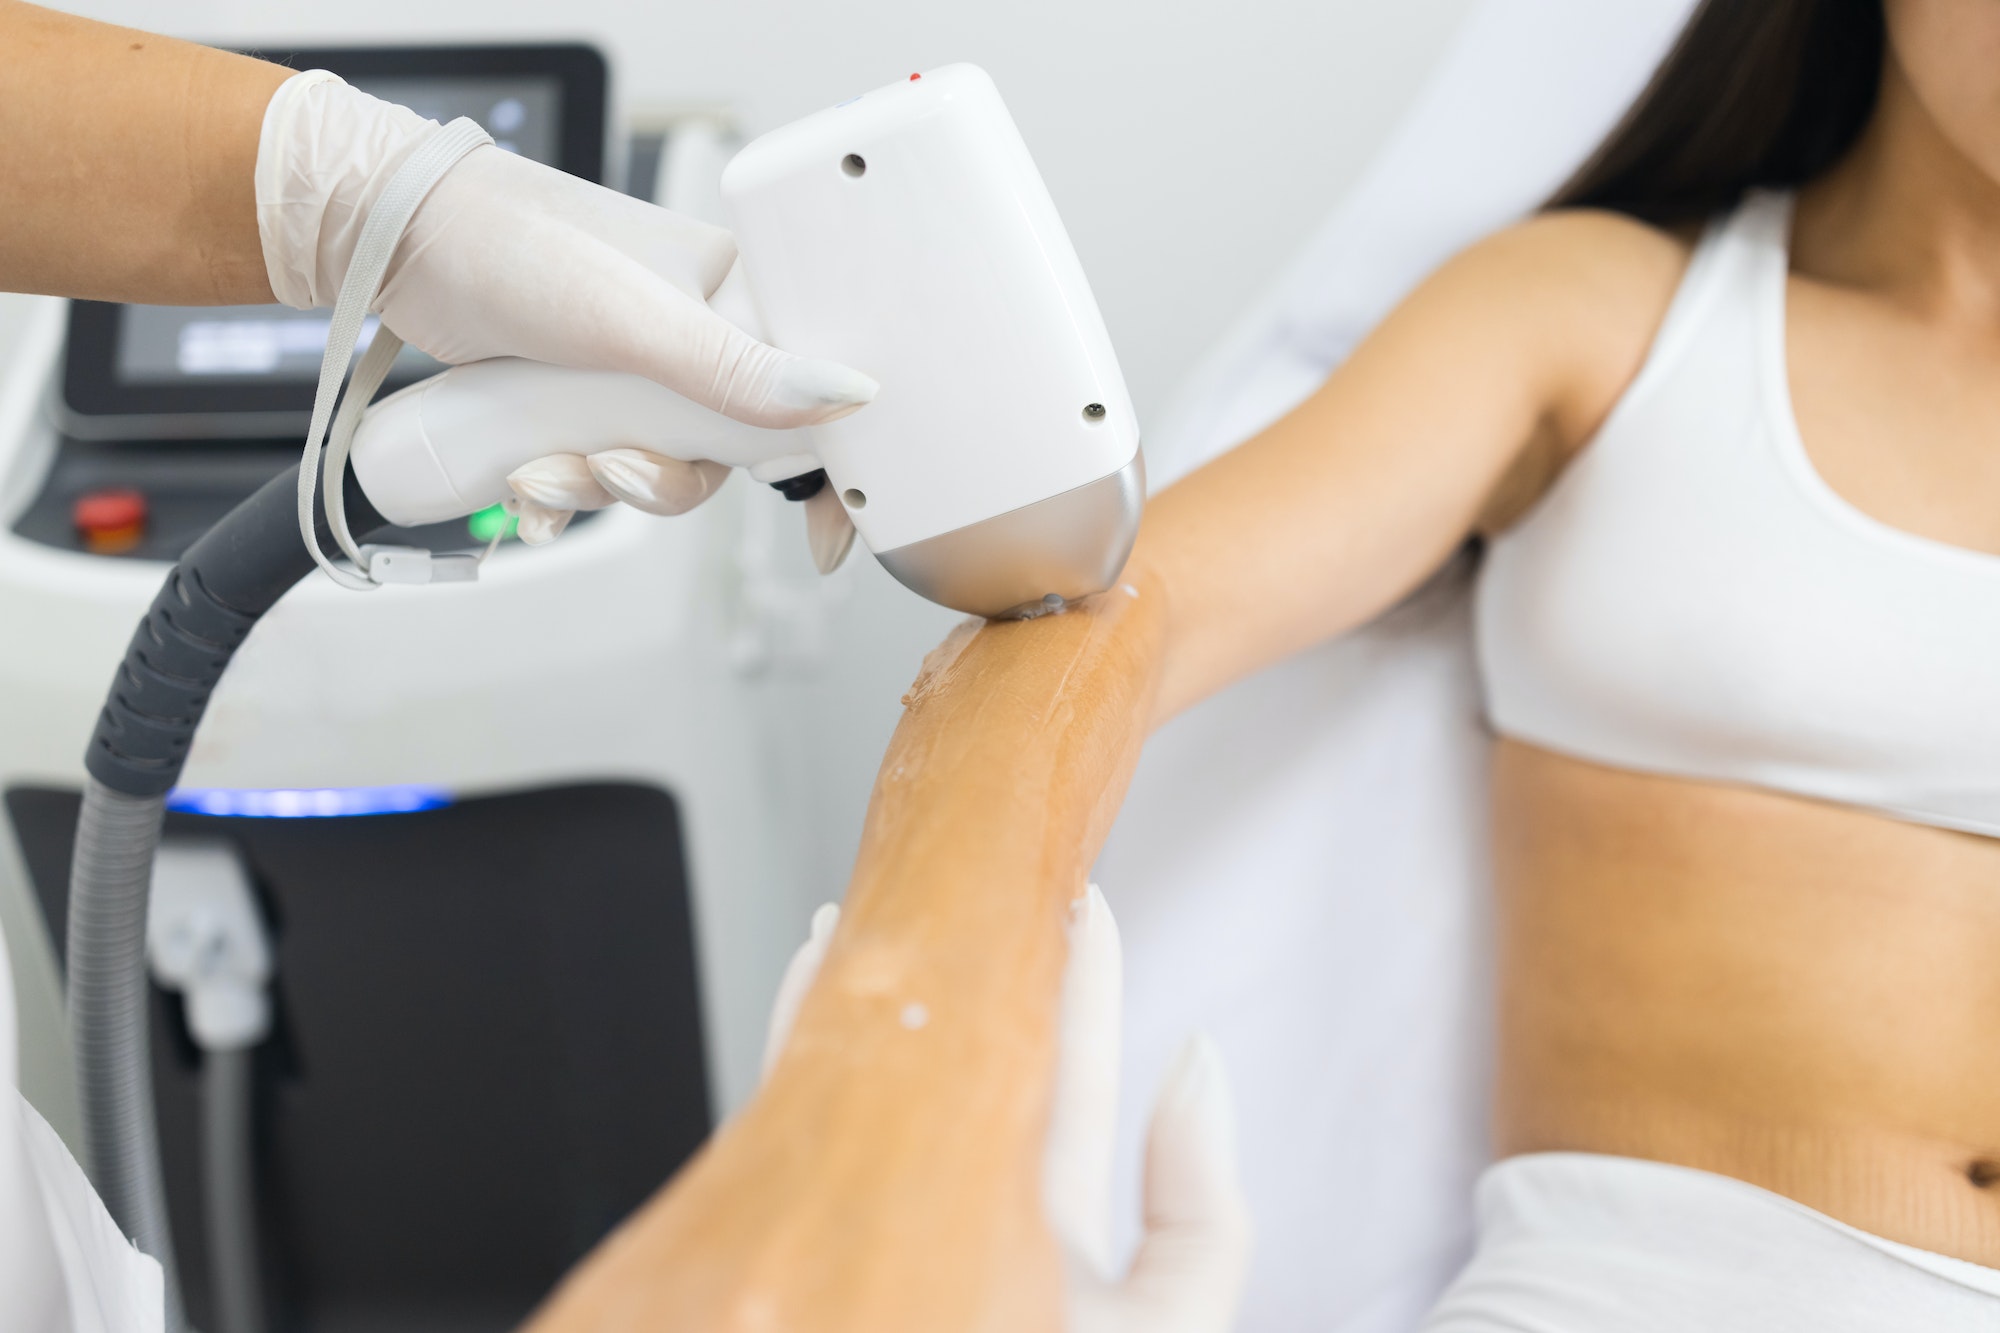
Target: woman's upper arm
1496,369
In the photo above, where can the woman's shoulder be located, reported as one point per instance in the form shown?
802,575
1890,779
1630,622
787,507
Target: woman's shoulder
1590,288
1584,252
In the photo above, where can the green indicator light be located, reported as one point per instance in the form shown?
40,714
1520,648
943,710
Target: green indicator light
492,520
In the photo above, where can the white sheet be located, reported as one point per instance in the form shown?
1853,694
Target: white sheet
1300,868
1578,1243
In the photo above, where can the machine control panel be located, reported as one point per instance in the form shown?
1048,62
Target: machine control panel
150,500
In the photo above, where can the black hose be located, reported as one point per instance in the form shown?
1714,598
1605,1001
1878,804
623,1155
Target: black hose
208,605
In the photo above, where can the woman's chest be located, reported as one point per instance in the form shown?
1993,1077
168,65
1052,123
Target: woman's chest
1900,418
1800,595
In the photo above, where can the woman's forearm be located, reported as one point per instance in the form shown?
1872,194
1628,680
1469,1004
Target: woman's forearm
888,1176
127,163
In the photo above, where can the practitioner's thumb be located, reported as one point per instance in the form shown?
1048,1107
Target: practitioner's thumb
720,363
1188,1272
1083,1112
829,531
754,382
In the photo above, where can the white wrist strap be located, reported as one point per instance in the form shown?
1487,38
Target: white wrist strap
358,289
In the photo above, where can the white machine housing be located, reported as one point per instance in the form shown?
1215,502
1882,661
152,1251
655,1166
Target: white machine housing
907,233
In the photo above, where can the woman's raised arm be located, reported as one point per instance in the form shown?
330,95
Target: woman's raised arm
1452,417
888,1176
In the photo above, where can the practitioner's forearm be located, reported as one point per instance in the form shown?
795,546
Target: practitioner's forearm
126,163
888,1176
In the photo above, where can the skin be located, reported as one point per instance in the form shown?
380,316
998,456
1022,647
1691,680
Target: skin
1793,993
126,163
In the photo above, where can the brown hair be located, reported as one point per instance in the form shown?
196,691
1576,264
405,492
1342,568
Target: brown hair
1755,93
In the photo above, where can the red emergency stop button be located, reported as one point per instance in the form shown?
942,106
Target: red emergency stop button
110,521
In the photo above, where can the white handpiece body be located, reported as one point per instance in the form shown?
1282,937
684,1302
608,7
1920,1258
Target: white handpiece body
908,234
443,447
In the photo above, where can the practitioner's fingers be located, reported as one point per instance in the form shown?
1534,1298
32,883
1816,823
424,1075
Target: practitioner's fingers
538,525
559,481
655,483
1083,1117
829,531
1188,1273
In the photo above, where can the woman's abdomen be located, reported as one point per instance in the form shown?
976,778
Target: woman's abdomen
1797,994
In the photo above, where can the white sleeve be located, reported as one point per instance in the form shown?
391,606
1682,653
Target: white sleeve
64,1265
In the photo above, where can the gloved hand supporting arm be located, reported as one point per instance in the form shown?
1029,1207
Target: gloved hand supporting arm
1189,1267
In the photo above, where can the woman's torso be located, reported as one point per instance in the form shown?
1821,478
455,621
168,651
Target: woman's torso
1735,655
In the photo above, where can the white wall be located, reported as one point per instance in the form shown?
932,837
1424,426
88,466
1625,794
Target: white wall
1190,147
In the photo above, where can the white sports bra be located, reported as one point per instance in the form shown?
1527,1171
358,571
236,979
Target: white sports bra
1691,598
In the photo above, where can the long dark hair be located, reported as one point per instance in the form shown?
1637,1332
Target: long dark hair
1755,93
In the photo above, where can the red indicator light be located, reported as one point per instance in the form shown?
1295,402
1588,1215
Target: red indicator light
915,77
110,522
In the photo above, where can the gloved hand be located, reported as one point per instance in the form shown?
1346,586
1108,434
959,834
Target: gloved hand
550,489
1188,1272
507,257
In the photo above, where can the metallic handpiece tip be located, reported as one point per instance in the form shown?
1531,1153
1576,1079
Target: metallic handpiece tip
1031,561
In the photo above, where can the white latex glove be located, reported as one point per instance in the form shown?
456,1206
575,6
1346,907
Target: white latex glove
1188,1272
507,257
551,489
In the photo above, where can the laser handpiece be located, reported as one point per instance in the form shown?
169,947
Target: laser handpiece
905,233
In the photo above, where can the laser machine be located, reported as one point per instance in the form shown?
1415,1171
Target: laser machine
521,941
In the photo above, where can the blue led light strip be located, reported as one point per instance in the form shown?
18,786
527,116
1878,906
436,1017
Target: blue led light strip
309,803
